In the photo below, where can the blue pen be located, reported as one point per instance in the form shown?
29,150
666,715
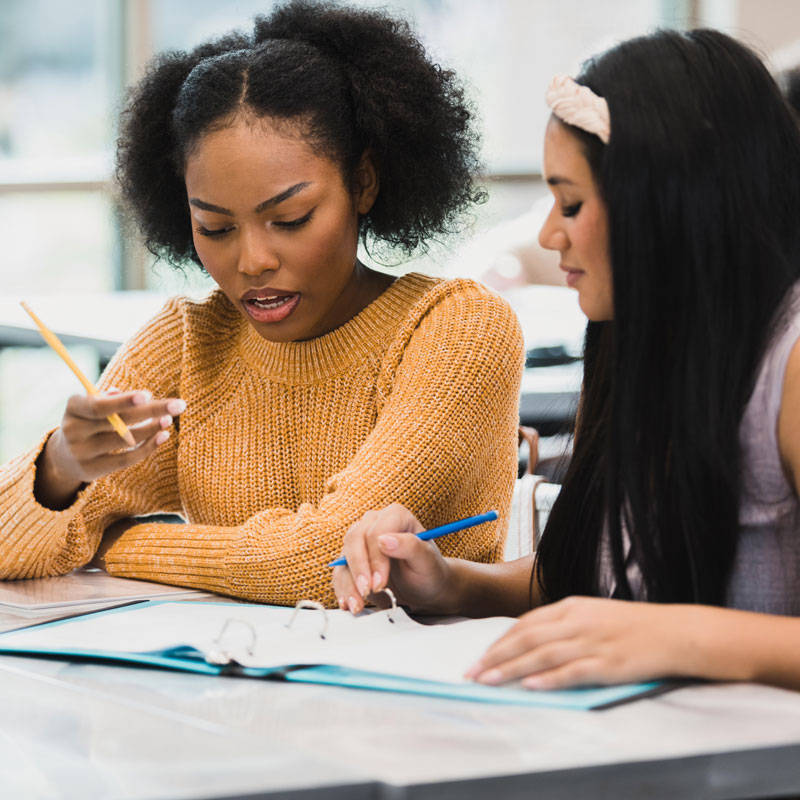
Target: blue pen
442,530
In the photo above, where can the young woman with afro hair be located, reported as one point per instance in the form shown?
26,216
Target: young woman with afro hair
307,388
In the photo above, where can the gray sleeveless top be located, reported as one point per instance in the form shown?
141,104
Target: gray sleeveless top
766,573
766,570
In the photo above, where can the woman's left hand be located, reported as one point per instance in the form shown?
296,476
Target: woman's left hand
587,640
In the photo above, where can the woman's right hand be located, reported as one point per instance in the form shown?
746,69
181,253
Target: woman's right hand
86,447
382,550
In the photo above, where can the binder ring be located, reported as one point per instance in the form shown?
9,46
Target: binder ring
316,607
221,656
387,591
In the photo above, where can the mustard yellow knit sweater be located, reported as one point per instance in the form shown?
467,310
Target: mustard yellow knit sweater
284,445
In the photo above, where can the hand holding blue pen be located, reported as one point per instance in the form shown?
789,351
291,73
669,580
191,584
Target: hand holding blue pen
442,530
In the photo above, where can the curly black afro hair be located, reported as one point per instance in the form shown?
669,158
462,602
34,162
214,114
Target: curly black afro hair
352,79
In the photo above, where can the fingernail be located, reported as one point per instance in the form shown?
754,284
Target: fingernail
388,542
474,670
492,677
342,603
176,406
140,398
162,437
353,604
363,585
377,581
166,421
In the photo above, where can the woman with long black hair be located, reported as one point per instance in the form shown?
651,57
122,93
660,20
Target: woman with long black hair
675,167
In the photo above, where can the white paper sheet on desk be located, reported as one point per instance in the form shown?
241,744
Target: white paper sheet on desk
82,587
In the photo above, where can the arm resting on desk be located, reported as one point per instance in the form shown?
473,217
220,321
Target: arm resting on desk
113,532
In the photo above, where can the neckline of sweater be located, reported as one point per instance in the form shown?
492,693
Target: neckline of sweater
316,359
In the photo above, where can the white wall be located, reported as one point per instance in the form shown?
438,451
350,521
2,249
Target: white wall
770,26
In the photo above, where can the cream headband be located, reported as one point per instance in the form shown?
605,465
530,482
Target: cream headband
579,106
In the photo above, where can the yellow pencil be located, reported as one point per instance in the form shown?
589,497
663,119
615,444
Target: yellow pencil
119,426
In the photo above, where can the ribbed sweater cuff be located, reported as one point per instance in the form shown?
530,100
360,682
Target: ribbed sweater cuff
183,555
29,530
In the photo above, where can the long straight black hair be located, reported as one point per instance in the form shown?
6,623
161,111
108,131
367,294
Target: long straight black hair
701,182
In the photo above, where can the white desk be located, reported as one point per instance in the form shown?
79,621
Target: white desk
72,730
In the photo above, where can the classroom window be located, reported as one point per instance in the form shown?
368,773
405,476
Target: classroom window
57,89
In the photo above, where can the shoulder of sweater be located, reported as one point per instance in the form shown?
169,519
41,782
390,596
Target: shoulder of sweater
183,325
432,291
462,300
178,317
211,330
208,316
209,325
458,321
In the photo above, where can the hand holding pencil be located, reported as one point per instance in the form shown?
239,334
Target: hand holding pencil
390,547
100,433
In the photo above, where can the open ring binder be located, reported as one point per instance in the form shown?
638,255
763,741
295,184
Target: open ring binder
253,641
218,655
223,656
311,604
387,591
